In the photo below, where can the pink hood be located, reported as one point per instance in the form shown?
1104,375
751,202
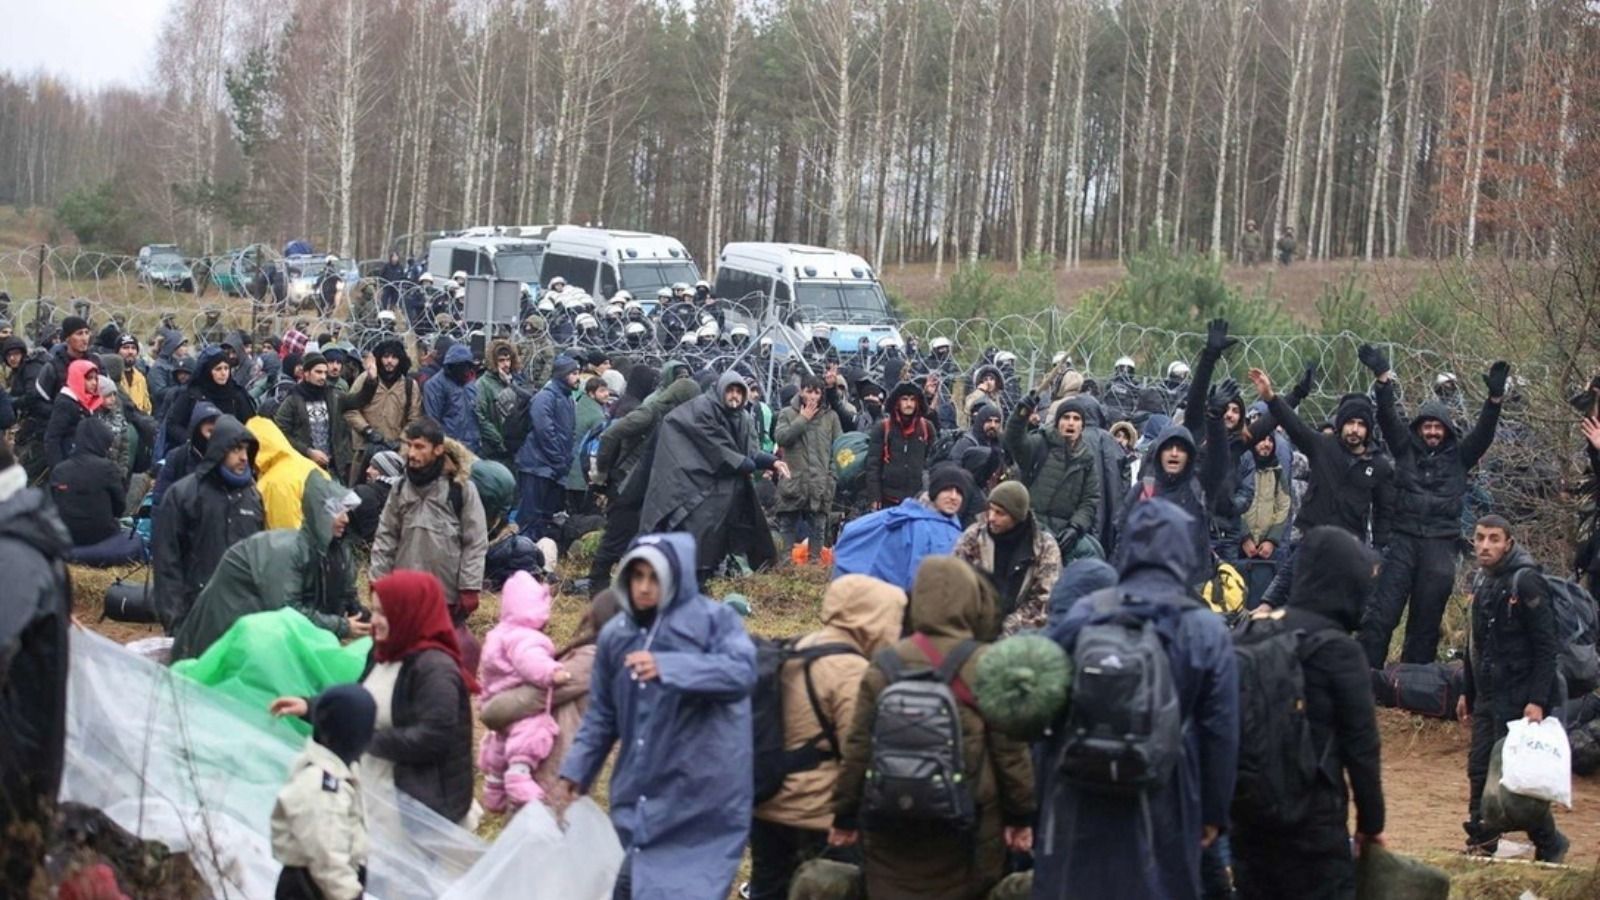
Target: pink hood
525,602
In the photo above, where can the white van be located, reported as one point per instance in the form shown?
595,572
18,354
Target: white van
795,286
603,262
511,253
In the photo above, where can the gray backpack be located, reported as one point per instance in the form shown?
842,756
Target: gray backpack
1124,731
917,775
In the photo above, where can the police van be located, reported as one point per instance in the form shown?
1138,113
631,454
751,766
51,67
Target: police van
795,287
603,262
513,253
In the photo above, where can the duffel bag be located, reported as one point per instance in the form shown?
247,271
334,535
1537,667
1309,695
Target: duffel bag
131,601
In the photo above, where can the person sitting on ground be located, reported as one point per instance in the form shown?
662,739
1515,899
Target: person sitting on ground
282,473
202,515
861,616
1021,556
319,822
422,742
309,569
386,470
671,689
90,495
1314,859
517,652
952,609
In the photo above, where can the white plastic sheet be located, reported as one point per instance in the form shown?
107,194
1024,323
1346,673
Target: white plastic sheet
1537,761
535,857
175,762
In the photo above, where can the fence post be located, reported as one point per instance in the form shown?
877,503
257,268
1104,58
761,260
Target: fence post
38,284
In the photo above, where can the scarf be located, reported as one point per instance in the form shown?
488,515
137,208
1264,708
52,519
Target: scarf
413,602
427,474
235,481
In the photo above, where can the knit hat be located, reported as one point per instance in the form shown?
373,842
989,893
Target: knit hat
73,324
596,357
1076,404
563,366
343,719
1353,406
944,477
312,359
128,340
1012,497
390,465
983,414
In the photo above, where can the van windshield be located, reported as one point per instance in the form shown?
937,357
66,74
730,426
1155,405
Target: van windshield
850,301
644,278
517,265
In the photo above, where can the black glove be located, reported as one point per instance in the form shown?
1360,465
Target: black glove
1373,359
1302,388
1070,538
1220,396
373,435
1030,402
1217,340
1496,379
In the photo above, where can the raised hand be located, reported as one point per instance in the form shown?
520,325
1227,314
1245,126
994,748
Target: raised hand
1495,379
1217,340
1263,384
1373,359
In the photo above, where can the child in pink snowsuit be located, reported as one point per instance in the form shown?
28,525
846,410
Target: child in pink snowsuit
517,652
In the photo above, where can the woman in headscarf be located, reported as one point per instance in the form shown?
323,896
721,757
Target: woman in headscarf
213,383
78,399
423,742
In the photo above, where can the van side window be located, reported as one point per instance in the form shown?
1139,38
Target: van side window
578,272
464,259
608,280
782,294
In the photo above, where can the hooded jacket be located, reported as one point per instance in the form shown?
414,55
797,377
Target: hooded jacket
1513,641
950,602
865,615
587,413
1333,576
71,406
183,459
281,474
1432,483
229,397
897,452
319,822
678,800
200,517
807,446
1187,490
451,403
165,362
623,444
293,417
304,568
386,405
33,651
1064,481
1350,490
517,651
492,410
420,529
87,487
547,451
1094,846
1035,566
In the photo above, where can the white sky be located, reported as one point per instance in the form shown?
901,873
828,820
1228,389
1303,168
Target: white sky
87,43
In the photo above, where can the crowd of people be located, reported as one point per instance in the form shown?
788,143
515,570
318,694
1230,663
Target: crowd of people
959,507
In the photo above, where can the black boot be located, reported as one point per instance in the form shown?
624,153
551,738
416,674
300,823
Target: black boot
1480,840
1550,845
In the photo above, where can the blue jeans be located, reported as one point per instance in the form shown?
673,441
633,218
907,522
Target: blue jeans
120,549
539,499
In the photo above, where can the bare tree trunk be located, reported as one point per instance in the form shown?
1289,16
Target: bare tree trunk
1287,207
1019,157
1075,180
946,186
1140,151
1169,88
729,10
1413,130
1389,16
1563,139
897,141
1233,54
352,37
1485,41
1327,137
1049,152
986,138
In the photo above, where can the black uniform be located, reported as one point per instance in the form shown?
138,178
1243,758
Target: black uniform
1431,485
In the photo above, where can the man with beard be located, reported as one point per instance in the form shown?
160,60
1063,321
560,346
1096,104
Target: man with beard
870,395
898,448
386,398
1433,467
706,451
451,398
312,418
1351,483
434,522
1062,474
984,434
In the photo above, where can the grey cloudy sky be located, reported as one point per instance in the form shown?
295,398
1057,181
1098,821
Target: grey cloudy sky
87,43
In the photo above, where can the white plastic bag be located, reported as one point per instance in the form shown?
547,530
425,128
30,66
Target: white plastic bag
1537,761
535,857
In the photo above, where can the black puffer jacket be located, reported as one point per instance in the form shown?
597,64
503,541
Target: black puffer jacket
1345,489
1431,483
430,742
1511,653
87,487
33,655
200,517
1188,489
1331,583
896,460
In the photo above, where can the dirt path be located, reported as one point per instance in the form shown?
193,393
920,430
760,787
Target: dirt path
1425,790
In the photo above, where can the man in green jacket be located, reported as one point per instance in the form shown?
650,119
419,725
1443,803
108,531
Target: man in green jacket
591,411
806,430
1061,472
501,396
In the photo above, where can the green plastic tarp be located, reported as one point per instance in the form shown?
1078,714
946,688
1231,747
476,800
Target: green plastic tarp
276,654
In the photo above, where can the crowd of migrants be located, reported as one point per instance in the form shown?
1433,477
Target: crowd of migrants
964,513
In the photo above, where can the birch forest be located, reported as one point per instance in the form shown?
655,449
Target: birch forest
932,131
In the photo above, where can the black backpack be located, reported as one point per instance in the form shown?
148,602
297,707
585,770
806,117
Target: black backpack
917,775
1124,730
516,419
1278,761
775,761
944,446
1577,630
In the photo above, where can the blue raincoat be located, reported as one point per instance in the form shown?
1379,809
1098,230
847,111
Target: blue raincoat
1090,846
681,790
890,544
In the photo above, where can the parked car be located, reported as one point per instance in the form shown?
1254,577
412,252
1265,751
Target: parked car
163,265
243,272
302,271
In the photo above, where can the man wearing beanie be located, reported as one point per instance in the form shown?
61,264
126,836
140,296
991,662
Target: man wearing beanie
984,432
1062,474
312,417
546,454
1021,558
1351,484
